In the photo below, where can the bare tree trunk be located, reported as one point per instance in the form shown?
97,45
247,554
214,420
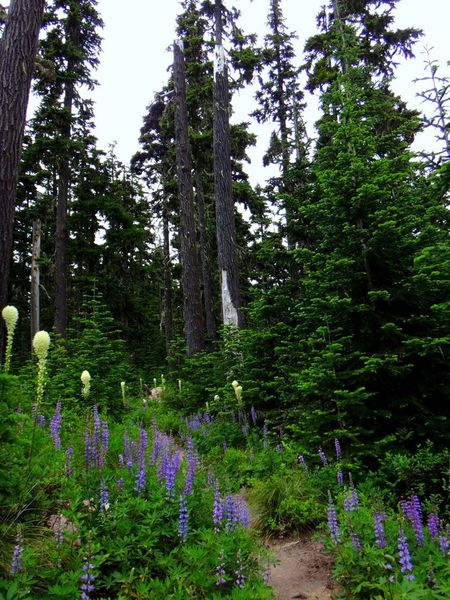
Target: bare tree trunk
191,273
35,277
168,310
225,219
64,175
18,48
205,253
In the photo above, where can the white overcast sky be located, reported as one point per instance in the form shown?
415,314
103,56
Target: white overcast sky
135,58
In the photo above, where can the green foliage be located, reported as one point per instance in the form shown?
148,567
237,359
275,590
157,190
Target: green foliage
287,501
93,344
374,572
424,472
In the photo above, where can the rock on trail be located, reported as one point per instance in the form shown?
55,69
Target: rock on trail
302,570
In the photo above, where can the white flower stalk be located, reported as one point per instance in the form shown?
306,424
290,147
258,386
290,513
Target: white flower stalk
86,381
163,382
122,387
179,385
41,344
10,315
237,391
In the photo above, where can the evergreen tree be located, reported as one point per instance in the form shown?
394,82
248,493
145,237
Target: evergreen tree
280,101
72,43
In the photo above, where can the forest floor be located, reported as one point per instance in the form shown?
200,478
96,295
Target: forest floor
302,569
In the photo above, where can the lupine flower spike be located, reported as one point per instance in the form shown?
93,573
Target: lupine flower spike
16,563
332,520
10,314
406,566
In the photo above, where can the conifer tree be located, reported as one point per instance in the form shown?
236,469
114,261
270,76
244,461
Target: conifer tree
72,43
280,101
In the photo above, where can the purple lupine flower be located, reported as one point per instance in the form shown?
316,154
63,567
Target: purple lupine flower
218,510
68,462
87,449
41,421
87,579
242,512
302,462
170,474
127,451
337,446
220,570
183,517
407,509
253,414
105,440
96,436
279,448
355,541
245,429
224,445
134,451
340,477
416,520
104,497
55,426
333,525
351,501
210,480
444,544
121,460
58,529
239,575
16,562
231,513
265,434
191,467
323,457
378,519
433,525
120,483
412,511
162,466
404,556
141,474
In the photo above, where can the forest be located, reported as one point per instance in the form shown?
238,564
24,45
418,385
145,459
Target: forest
192,367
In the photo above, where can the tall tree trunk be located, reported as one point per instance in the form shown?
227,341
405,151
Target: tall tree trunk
64,176
35,277
225,223
191,273
168,309
205,253
18,48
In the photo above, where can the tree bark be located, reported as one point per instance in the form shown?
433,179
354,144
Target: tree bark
191,273
211,330
168,321
18,49
35,277
225,219
64,176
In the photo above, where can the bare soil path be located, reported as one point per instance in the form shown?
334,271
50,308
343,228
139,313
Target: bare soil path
303,570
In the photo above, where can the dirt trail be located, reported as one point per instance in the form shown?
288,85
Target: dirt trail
303,570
